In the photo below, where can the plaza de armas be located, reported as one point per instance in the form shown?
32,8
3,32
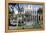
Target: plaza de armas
24,18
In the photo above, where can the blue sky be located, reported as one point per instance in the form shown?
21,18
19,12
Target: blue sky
34,7
26,5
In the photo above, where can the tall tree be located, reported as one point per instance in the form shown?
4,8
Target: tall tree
40,11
